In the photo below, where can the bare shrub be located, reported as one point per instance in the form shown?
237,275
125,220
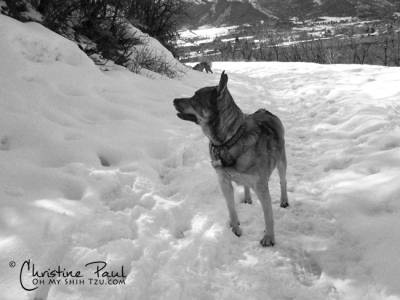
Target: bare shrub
149,59
101,29
160,19
16,9
388,52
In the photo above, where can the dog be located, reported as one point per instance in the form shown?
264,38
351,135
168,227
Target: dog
243,148
204,65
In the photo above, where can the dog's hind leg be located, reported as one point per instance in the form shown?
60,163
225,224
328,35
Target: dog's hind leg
281,166
227,190
247,196
263,195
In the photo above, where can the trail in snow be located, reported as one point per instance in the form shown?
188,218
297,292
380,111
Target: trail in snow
196,256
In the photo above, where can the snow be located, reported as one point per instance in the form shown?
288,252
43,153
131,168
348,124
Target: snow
95,166
204,31
336,19
151,44
234,39
32,14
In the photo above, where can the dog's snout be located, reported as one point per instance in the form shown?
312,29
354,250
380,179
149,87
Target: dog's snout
181,104
176,104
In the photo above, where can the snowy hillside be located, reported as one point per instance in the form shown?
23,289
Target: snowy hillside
96,167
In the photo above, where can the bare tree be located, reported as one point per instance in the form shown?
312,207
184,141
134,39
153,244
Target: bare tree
161,19
384,57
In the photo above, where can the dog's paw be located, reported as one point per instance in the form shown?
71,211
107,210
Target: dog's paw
284,204
267,241
247,200
236,230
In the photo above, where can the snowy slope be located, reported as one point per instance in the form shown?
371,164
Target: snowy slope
95,166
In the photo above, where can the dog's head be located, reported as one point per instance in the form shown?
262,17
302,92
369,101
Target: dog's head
202,107
208,66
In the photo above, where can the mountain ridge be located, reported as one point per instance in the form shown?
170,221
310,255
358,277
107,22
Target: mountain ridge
236,12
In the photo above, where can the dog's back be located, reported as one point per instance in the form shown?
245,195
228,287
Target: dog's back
269,123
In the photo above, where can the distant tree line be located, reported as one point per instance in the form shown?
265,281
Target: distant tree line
103,27
357,49
377,44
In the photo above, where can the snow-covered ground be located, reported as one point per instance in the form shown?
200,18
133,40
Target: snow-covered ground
205,31
95,166
205,35
337,19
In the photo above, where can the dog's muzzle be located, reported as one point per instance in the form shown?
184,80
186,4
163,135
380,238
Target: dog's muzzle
178,103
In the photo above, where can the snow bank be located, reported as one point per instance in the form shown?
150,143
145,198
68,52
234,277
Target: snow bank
152,55
72,140
96,167
151,43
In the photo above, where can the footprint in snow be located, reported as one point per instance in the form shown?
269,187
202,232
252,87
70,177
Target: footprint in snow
5,144
305,267
14,191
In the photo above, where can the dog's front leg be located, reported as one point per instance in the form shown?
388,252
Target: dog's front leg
263,195
227,190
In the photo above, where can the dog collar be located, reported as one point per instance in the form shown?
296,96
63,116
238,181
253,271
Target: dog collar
219,153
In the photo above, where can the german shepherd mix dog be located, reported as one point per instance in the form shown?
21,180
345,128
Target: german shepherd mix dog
243,148
203,65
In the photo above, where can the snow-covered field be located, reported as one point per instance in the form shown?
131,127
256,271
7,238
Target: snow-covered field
96,167
205,31
337,19
205,35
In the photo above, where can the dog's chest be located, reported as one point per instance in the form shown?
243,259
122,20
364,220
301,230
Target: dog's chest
237,177
240,172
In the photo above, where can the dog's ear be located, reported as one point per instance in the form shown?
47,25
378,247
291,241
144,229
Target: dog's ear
223,82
